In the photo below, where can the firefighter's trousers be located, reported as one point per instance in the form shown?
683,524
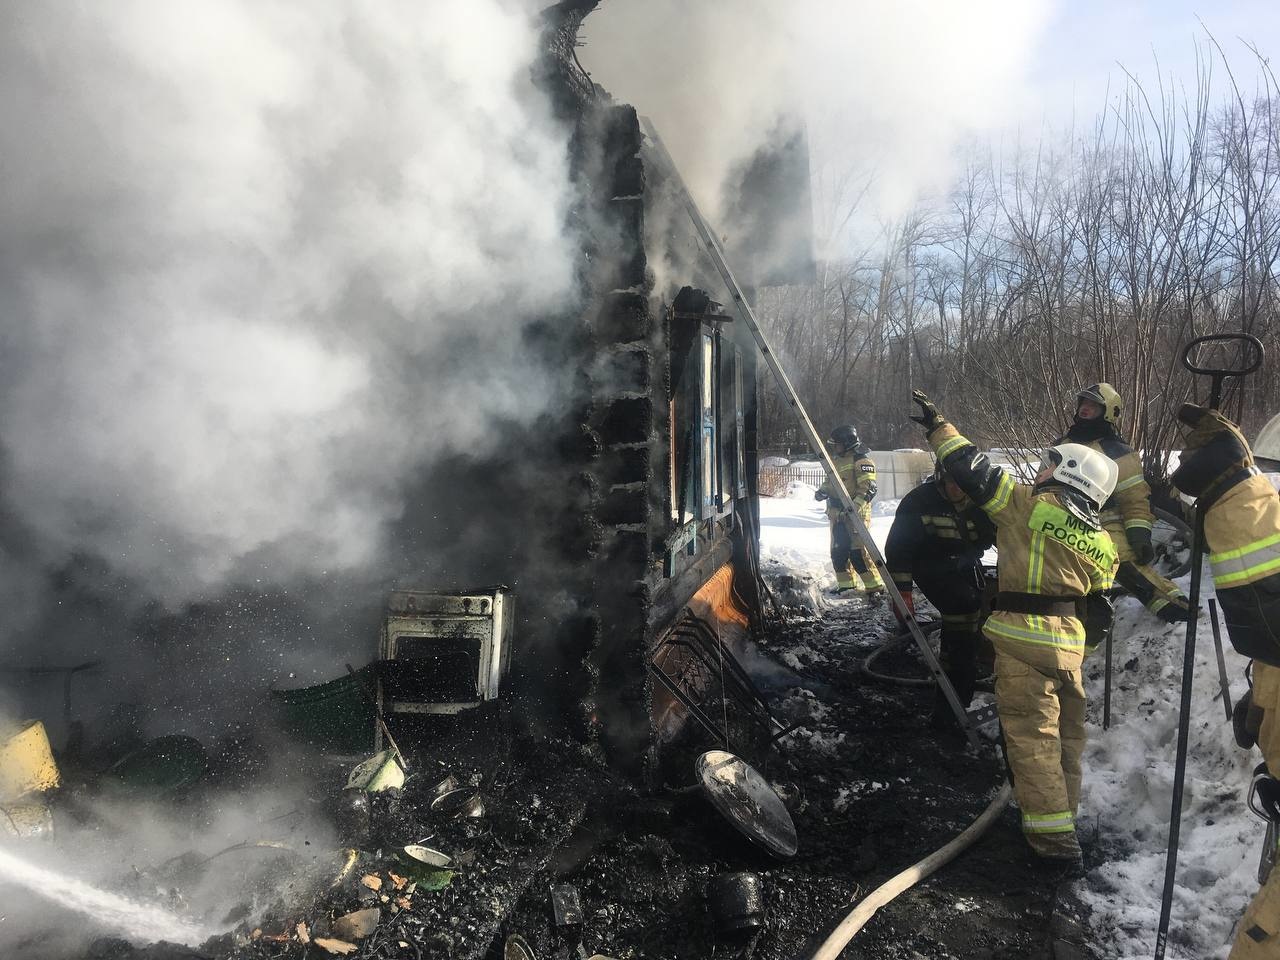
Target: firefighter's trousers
1258,934
957,593
1162,597
1042,715
853,565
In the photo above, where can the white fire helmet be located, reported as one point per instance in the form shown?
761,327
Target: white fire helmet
1082,468
1267,446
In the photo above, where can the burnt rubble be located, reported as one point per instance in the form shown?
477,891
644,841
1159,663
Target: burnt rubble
538,837
518,835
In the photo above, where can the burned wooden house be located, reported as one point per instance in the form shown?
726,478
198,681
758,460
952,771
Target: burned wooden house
626,524
622,522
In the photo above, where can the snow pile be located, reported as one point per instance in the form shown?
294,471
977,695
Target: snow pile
802,704
856,791
1128,788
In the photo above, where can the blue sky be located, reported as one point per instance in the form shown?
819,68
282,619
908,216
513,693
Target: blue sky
1079,48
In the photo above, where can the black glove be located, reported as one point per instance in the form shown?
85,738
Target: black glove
1140,543
870,493
1099,618
820,495
1246,721
929,416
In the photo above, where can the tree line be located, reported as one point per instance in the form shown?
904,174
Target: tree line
1056,268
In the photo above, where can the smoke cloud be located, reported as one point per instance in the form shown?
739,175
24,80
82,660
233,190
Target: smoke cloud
259,263
886,91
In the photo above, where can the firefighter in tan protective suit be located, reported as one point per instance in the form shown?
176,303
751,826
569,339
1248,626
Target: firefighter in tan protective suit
1055,559
854,568
1127,515
1242,529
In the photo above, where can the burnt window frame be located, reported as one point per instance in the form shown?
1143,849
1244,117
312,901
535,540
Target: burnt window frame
706,422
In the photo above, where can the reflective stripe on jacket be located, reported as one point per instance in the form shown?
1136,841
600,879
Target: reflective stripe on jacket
1243,530
1043,549
858,473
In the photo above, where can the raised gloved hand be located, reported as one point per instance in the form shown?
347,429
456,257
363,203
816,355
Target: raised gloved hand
909,599
928,416
1140,543
1215,447
870,493
820,495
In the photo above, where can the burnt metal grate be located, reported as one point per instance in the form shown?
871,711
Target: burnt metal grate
709,682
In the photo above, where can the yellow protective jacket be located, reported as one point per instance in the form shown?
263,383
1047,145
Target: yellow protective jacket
858,473
1044,549
1242,527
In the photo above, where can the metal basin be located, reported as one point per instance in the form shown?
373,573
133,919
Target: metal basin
459,804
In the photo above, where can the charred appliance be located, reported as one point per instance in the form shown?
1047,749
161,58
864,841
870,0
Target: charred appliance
443,653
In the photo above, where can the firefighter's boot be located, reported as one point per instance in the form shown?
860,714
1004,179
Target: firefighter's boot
1055,870
847,583
872,585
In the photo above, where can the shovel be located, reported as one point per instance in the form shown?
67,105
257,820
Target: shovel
1249,359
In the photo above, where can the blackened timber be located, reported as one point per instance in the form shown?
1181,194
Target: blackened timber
674,594
713,249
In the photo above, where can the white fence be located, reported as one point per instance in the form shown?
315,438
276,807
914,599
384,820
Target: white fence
897,472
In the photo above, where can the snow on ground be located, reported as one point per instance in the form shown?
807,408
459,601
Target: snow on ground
1128,790
1128,769
794,538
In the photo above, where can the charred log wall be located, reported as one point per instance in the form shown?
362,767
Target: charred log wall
629,418
644,578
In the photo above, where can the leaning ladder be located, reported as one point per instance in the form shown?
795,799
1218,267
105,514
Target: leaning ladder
851,513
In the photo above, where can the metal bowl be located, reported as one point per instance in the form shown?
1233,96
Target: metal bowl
459,804
443,785
517,949
429,855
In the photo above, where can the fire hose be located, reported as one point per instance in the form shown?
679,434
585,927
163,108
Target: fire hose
895,641
887,891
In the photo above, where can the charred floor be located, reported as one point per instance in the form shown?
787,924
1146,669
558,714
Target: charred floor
552,854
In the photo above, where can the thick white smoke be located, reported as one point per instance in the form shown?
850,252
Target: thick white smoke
886,90
258,262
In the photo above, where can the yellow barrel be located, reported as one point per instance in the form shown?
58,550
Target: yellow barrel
26,762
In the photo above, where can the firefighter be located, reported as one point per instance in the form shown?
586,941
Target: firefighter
937,541
1127,515
854,568
1054,555
1242,529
